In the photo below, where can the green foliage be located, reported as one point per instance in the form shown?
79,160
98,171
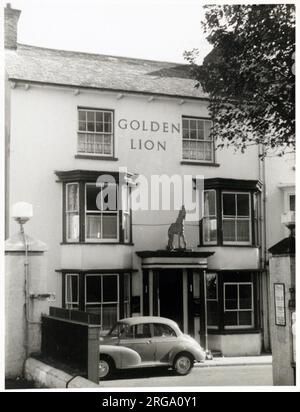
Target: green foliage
249,75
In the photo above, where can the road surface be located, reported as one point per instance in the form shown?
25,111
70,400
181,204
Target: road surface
249,375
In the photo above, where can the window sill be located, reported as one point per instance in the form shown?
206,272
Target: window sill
192,163
233,331
91,157
233,245
96,243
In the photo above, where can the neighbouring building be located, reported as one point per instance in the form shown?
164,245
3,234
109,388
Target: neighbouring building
73,117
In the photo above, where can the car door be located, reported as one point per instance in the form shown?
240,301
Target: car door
139,338
165,339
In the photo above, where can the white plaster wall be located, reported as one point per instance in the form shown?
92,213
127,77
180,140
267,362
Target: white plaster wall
279,171
44,139
246,344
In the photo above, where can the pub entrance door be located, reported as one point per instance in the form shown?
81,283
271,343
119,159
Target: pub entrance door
170,295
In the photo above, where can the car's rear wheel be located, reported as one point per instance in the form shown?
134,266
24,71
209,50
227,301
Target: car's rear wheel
106,367
183,363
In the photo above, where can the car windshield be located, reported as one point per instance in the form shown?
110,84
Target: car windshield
117,330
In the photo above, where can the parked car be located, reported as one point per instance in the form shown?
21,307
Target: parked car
147,342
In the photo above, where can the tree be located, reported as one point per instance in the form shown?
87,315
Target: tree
249,75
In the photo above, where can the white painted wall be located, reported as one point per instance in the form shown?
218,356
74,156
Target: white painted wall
280,180
44,139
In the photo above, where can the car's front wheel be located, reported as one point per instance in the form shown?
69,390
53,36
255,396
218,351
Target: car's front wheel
106,367
183,364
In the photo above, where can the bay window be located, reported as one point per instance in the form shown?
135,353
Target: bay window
238,305
95,210
230,212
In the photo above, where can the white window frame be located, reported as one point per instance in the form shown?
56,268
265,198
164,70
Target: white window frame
212,242
67,212
100,303
237,218
212,300
81,132
67,303
212,142
238,304
100,212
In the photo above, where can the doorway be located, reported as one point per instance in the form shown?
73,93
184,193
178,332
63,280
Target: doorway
171,295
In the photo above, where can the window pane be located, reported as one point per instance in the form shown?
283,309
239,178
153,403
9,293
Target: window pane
72,197
193,124
209,203
185,124
163,331
208,151
99,127
142,331
229,230
107,117
126,286
230,319
92,192
200,134
107,197
98,146
208,125
243,233
212,313
185,133
200,151
211,286
110,288
245,296
193,134
110,226
71,288
91,127
82,126
245,318
243,204
292,203
99,117
109,316
209,229
82,115
231,296
229,204
93,289
90,116
126,226
93,226
72,226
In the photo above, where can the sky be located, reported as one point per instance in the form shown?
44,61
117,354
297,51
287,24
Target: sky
147,29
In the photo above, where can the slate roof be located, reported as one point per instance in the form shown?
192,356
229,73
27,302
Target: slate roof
36,64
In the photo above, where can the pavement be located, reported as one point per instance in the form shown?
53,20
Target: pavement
237,361
237,371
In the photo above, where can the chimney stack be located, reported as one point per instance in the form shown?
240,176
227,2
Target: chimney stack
11,17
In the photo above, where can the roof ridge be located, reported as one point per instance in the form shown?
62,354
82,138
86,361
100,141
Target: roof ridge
99,55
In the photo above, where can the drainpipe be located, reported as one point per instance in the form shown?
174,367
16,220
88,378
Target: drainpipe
263,229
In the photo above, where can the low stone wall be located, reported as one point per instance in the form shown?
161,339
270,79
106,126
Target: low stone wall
45,376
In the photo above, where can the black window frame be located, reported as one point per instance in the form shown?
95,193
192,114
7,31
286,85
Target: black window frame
221,185
81,178
240,277
82,275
